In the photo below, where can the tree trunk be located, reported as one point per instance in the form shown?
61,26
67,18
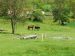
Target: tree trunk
62,23
13,26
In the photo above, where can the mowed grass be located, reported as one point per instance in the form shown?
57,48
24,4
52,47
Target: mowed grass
10,45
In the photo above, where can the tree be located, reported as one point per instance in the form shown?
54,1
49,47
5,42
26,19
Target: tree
72,7
3,7
37,16
60,12
15,8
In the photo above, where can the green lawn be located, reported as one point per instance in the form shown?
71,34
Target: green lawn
10,45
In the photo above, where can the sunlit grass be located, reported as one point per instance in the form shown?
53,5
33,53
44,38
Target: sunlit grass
10,45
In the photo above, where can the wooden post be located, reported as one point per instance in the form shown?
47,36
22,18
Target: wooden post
42,37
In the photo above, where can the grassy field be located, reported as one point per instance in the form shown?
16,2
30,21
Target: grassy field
14,47
10,45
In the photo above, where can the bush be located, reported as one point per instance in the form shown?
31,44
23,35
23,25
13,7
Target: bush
37,16
61,16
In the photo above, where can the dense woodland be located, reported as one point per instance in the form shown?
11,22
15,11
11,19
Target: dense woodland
62,11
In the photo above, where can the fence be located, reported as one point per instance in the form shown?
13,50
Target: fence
56,36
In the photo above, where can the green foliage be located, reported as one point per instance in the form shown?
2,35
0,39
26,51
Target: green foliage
62,8
72,7
38,5
46,7
62,16
61,12
37,15
3,8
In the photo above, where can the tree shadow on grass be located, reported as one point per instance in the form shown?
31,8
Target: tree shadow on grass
5,32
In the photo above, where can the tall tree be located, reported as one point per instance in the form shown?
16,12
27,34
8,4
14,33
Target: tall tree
60,11
72,7
15,8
